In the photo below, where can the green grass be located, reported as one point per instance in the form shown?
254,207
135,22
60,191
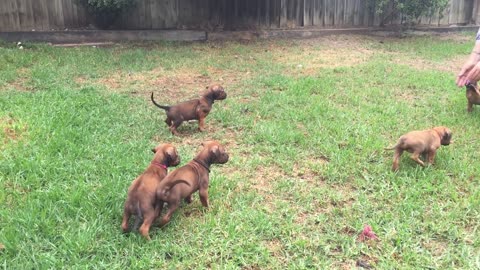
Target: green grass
307,168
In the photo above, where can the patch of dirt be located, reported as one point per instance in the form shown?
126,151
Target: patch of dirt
407,96
437,248
455,36
347,199
20,83
306,57
12,130
275,247
451,66
309,61
264,177
306,170
172,85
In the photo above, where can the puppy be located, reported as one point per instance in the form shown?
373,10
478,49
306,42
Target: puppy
196,109
184,181
424,142
473,96
141,199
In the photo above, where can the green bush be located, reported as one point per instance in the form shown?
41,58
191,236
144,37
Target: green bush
409,10
102,6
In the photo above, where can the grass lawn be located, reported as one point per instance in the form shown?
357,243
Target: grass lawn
305,124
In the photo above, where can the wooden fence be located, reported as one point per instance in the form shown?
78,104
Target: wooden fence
44,15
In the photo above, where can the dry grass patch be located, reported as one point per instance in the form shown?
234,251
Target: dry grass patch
11,130
308,61
435,247
451,66
20,83
173,85
306,57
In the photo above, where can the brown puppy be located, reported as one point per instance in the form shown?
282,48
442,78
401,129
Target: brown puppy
141,200
473,96
184,181
424,142
196,109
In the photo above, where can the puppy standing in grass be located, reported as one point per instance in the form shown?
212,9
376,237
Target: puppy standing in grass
184,181
473,96
196,109
141,199
424,142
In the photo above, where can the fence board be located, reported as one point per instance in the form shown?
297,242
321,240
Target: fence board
26,15
318,14
40,14
339,12
329,13
349,14
308,7
5,23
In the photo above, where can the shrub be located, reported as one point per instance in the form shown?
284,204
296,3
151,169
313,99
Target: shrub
409,10
108,5
105,12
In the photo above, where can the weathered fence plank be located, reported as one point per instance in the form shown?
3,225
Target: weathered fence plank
318,12
329,13
25,15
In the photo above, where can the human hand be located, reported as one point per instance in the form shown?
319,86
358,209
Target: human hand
462,77
473,75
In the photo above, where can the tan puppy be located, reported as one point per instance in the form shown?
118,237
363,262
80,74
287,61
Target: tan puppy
473,96
184,181
424,142
141,200
196,109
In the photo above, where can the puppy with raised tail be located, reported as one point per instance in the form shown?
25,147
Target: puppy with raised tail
141,199
184,181
473,96
423,142
196,109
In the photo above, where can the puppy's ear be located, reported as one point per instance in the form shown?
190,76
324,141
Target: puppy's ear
215,149
154,151
447,136
171,152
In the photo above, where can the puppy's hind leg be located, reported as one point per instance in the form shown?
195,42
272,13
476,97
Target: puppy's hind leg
416,157
126,217
431,157
396,158
138,218
168,121
469,107
171,208
173,127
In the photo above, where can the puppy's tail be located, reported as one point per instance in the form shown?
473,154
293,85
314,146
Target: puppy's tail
162,192
158,105
391,148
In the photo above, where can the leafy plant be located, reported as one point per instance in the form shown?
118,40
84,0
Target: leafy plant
108,5
409,10
105,12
